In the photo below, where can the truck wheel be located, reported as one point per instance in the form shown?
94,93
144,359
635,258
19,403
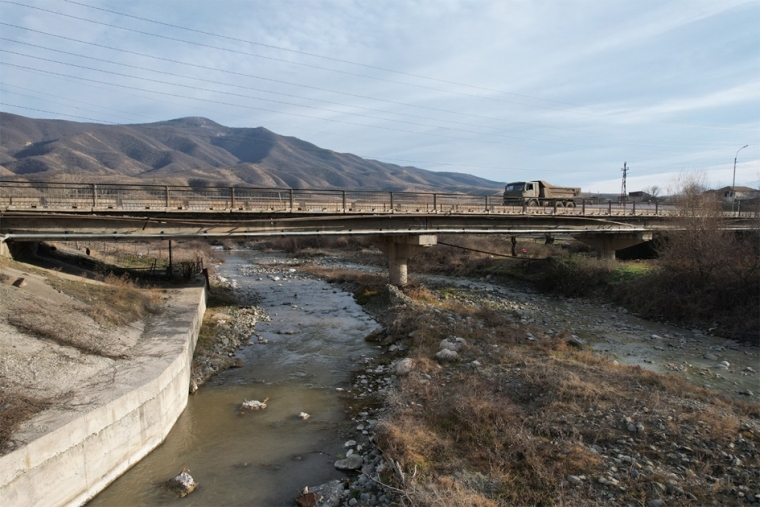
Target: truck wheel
533,203
570,204
560,204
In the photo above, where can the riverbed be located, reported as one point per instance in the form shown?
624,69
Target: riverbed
301,359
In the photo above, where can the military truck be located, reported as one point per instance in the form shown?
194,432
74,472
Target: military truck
539,193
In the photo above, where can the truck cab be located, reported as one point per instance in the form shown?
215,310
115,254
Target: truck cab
517,192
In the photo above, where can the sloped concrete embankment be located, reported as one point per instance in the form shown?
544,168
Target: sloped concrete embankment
71,463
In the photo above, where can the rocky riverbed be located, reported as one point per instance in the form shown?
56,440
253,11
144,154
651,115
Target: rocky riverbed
717,364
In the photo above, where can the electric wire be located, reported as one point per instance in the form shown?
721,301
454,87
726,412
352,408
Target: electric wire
328,69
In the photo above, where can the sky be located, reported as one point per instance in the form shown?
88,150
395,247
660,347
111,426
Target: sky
565,91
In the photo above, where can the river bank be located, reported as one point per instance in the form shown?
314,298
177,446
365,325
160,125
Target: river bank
105,388
611,409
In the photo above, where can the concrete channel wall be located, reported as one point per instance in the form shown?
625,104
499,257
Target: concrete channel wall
74,462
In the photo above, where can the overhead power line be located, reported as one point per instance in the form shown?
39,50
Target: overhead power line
245,106
161,72
142,78
314,55
290,83
51,112
301,64
599,115
267,91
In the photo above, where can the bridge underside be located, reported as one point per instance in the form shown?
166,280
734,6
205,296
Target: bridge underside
398,235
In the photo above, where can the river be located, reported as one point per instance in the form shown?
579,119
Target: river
314,340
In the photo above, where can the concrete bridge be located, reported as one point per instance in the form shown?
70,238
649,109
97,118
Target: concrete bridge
400,223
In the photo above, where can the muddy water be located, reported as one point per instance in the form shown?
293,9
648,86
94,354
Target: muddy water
314,340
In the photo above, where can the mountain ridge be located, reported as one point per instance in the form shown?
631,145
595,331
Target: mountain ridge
199,151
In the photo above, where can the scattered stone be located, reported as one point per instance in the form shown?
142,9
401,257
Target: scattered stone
456,345
746,392
395,296
19,282
254,404
303,415
329,494
575,341
710,357
193,387
404,366
574,479
183,484
655,503
447,355
307,500
352,462
723,365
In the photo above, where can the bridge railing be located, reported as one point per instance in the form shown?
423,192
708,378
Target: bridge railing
134,197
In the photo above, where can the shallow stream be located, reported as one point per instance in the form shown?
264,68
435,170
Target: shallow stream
314,340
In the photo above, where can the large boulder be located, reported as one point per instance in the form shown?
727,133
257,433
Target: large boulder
352,462
183,484
447,355
404,366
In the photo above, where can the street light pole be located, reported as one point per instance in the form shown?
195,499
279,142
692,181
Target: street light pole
733,182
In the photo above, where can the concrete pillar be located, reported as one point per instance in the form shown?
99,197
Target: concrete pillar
399,249
18,249
606,243
4,251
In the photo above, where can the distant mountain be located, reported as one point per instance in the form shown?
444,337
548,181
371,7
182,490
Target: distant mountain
197,151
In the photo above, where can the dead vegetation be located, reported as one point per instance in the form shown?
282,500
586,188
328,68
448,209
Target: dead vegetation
16,408
118,301
544,423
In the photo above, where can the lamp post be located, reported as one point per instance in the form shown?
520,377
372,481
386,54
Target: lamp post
733,182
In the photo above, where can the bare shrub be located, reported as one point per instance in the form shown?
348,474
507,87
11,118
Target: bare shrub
707,274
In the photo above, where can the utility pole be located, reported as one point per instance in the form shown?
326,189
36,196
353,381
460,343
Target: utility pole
623,191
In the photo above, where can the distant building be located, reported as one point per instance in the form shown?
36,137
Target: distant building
641,196
729,194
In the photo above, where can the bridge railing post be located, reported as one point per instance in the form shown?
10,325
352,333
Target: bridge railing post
555,207
391,193
232,197
634,208
583,207
94,195
435,203
656,207
290,192
166,190
344,201
609,207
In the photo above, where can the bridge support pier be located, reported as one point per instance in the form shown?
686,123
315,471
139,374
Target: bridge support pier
607,242
399,249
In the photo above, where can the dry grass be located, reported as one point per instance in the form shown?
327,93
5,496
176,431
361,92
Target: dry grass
117,302
14,410
510,431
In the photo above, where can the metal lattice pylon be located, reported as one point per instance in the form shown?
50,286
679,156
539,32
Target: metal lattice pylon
623,191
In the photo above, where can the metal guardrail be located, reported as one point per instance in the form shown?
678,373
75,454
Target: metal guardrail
53,196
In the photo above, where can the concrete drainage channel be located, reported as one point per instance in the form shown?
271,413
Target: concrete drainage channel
82,452
300,359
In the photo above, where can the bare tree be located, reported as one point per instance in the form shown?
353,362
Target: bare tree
654,191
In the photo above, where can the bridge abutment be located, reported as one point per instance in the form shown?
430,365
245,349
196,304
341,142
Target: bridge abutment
15,249
399,249
607,243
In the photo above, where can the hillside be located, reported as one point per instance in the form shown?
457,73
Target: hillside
198,151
